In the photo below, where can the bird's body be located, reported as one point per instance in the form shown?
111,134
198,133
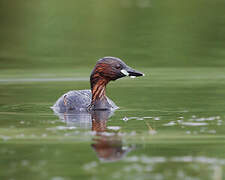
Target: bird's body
106,69
77,101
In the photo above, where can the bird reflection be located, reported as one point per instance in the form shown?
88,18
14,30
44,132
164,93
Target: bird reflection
108,147
107,144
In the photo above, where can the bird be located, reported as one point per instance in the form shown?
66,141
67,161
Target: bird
106,69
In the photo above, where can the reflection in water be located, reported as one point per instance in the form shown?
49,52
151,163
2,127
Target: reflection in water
72,119
108,145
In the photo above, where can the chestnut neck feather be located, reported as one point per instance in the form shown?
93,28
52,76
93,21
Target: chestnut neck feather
98,89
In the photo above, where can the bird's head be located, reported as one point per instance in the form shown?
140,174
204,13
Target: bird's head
112,68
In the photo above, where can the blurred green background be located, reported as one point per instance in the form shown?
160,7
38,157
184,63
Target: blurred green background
145,33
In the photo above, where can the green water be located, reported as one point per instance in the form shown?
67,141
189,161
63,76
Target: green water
170,122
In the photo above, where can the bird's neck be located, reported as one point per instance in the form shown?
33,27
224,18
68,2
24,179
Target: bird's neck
98,89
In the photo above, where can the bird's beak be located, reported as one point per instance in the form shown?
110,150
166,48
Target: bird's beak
128,71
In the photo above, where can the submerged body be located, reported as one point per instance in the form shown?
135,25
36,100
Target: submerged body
106,69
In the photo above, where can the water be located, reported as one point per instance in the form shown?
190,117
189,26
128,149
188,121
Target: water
160,132
170,124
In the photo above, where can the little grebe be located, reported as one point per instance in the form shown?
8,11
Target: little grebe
105,70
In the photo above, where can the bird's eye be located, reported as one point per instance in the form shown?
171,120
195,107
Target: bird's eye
118,66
